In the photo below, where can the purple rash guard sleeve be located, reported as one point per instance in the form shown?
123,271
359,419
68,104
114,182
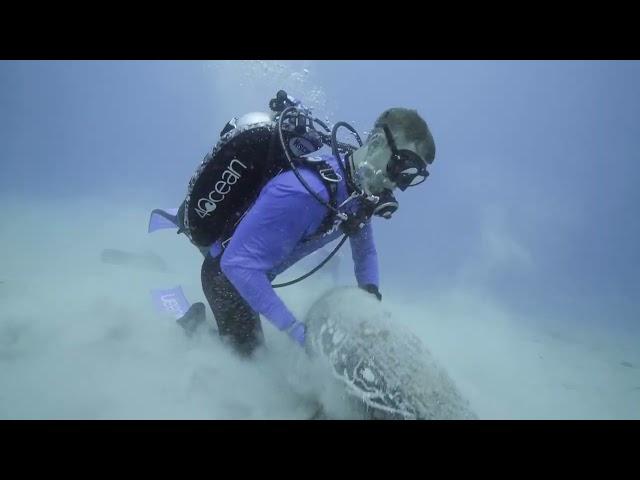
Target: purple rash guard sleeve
365,256
281,217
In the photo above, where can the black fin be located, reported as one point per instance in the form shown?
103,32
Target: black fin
195,316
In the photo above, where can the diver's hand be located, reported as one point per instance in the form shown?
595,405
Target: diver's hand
298,333
372,289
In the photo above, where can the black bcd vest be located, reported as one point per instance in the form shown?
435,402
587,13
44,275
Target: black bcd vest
230,178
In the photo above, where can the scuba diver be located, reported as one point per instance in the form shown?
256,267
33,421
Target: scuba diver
265,197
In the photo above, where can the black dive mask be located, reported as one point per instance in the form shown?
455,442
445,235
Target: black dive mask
405,168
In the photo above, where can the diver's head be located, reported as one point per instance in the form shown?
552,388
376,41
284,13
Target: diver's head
396,153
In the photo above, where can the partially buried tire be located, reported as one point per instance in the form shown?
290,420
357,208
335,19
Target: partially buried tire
386,372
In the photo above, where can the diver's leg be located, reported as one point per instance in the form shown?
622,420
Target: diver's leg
237,322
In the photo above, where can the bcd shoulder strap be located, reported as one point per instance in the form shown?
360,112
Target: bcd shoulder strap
330,179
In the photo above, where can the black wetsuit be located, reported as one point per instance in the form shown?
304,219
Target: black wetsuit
237,322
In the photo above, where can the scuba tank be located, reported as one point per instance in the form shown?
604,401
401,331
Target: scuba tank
231,176
229,179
